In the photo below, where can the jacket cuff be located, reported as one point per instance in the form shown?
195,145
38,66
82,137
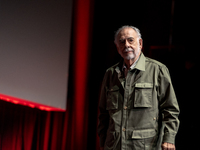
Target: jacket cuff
169,138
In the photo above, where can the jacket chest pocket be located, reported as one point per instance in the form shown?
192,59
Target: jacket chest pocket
143,95
112,98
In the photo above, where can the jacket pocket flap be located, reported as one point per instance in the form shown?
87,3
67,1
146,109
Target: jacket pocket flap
144,85
141,134
112,97
113,88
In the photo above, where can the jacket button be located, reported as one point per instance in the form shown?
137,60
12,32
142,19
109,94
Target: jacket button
123,129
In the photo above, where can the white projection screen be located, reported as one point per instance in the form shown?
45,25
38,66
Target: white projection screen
34,52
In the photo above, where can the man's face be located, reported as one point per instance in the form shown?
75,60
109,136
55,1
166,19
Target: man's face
128,44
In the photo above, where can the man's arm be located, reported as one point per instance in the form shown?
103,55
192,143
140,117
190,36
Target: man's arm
168,108
103,115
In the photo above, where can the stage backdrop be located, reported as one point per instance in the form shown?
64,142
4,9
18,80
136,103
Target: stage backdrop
34,52
25,128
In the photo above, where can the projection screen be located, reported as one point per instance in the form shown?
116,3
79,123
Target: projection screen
34,52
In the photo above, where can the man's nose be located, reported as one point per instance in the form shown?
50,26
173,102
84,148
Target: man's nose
127,45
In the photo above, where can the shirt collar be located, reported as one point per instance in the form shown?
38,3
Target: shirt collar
132,66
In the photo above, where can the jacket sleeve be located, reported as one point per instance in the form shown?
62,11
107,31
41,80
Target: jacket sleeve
168,106
103,114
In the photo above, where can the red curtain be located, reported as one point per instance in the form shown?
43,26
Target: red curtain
24,128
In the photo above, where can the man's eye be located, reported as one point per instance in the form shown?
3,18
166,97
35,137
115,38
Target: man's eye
131,40
121,41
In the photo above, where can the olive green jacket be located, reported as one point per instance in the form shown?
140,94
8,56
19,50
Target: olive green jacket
140,111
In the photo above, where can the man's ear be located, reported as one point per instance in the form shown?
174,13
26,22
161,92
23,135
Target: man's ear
141,43
117,47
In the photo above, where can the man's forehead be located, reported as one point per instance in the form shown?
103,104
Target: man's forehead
127,33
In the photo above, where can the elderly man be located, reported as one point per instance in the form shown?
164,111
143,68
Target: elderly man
138,106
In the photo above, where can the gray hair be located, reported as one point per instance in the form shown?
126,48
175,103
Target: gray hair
127,26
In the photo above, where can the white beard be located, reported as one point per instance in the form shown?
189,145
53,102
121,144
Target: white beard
129,56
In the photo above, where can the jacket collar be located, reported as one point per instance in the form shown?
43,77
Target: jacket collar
141,63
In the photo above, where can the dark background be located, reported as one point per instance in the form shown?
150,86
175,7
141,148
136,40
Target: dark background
156,23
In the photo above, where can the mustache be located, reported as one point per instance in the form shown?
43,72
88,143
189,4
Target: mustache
128,50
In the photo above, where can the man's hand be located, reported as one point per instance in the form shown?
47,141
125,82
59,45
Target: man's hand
168,146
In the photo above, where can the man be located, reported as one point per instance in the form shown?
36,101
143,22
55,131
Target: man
138,106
